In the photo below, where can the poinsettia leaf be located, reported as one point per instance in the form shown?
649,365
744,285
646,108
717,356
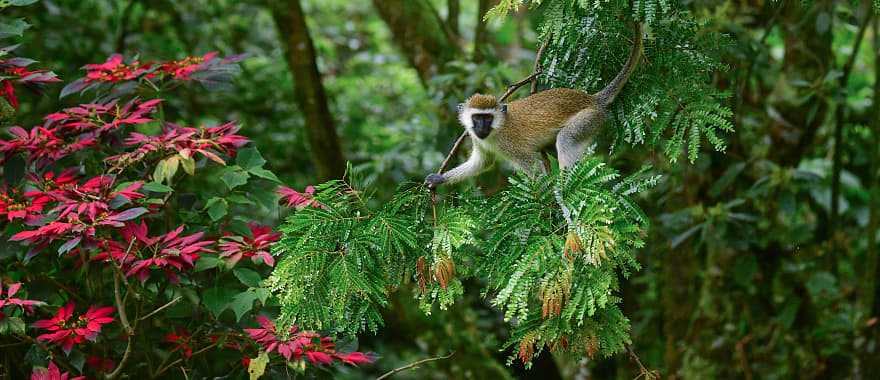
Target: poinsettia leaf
263,294
74,87
242,303
157,187
258,365
70,244
249,158
216,299
207,262
217,208
21,3
265,174
13,28
129,214
234,176
248,277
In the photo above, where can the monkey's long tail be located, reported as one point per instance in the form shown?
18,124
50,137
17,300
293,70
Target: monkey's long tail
607,95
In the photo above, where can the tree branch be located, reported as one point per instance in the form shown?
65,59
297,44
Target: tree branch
643,371
838,127
174,363
414,364
160,308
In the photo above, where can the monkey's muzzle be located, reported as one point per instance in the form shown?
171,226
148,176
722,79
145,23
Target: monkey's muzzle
482,125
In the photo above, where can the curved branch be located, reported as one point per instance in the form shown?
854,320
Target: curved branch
413,365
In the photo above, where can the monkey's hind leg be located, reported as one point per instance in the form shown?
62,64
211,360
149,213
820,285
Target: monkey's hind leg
572,141
530,163
576,136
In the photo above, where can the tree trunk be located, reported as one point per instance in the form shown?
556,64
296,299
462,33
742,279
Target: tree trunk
453,8
310,97
481,35
421,35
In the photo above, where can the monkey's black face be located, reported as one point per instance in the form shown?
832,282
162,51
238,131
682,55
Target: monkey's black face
482,123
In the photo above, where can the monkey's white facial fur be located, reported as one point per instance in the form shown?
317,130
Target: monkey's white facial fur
480,122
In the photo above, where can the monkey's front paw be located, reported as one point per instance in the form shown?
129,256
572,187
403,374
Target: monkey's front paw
433,180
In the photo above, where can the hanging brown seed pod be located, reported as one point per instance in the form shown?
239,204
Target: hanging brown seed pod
527,347
423,276
573,245
444,271
592,345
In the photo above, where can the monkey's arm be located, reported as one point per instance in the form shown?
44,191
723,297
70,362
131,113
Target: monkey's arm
473,166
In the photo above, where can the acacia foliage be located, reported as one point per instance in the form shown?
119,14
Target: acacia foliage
555,281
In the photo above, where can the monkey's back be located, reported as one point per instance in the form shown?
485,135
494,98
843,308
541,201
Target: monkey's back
536,119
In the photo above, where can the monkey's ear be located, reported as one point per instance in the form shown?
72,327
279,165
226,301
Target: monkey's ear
459,107
504,108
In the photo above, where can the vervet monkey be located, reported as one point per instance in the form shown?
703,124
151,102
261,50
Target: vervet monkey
519,130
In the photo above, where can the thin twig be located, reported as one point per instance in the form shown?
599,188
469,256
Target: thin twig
414,364
838,132
123,316
160,308
120,305
643,371
537,66
516,86
174,363
451,153
116,372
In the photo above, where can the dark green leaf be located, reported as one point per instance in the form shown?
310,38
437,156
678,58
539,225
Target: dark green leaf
207,262
13,28
157,187
217,299
242,303
265,174
249,158
234,176
248,277
217,208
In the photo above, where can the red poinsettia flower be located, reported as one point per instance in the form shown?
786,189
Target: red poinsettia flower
50,184
170,252
81,210
184,68
101,118
42,145
99,364
94,197
9,300
299,200
256,246
68,331
355,358
308,344
52,373
181,339
209,142
115,70
14,71
16,206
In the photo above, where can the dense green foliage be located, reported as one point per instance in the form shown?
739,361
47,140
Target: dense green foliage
705,234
